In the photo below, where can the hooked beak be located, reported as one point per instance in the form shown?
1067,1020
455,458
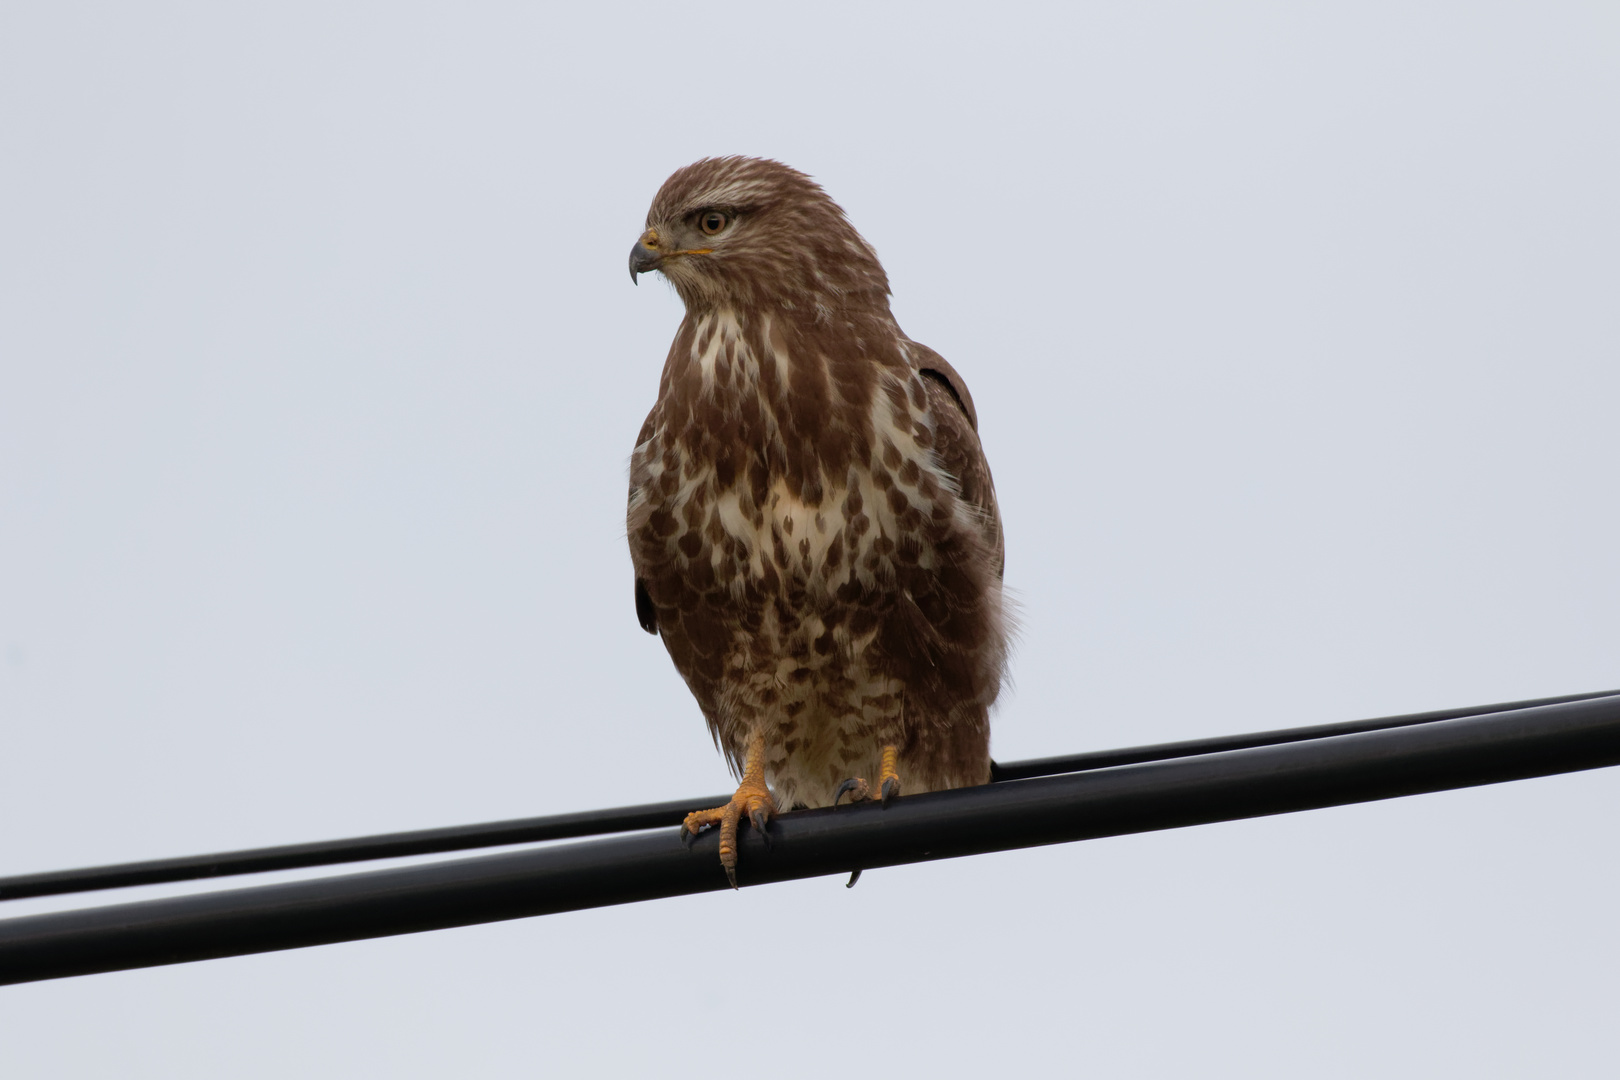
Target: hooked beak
645,256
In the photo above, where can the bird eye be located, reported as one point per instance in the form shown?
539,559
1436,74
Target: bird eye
713,221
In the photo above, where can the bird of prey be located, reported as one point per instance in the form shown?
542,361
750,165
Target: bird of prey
812,522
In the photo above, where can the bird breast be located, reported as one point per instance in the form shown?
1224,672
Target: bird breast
730,494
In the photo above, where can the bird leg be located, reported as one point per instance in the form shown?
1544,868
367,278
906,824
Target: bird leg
752,798
888,781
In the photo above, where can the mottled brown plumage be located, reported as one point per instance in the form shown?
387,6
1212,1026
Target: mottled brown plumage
812,521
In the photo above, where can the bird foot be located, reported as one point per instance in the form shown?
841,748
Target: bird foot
859,790
752,799
856,788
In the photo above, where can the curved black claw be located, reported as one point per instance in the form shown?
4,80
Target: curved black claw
853,784
731,876
759,821
854,876
688,837
891,789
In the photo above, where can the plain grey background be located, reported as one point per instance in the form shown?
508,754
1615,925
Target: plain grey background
1294,333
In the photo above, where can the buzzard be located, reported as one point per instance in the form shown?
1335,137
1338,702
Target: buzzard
812,521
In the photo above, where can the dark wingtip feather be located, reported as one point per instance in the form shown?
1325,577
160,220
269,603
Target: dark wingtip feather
646,614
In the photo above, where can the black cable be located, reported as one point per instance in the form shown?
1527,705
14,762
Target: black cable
631,818
1103,759
1172,793
357,849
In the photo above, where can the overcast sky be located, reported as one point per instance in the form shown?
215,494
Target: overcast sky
1295,338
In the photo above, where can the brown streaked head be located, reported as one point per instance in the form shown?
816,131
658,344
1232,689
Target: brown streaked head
742,231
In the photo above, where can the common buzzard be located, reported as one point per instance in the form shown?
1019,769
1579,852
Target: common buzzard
812,521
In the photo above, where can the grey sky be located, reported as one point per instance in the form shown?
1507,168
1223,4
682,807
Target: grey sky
1294,335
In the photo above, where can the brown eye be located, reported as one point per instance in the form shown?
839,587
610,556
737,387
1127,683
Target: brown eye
713,221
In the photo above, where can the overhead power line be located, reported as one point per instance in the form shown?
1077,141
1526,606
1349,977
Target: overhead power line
647,816
1280,778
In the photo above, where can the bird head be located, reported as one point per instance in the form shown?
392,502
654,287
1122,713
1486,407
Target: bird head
745,232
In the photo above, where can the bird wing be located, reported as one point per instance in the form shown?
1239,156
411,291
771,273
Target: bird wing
646,614
956,441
